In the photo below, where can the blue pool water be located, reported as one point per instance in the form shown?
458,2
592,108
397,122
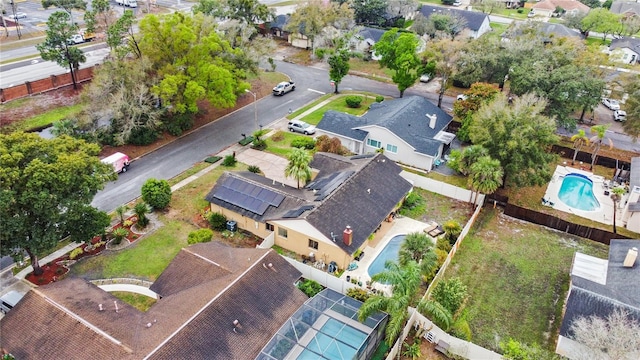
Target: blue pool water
576,191
342,343
390,252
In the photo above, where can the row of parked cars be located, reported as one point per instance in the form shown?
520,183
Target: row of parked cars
611,104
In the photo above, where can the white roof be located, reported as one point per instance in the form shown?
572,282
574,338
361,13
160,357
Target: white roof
590,268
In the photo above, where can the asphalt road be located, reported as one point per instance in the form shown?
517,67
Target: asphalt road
182,154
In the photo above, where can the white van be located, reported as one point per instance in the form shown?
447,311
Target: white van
9,300
119,161
129,3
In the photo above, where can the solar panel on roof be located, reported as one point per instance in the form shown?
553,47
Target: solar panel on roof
247,195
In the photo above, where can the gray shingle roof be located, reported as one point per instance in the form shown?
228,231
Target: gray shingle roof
474,19
631,43
634,176
371,33
280,22
621,7
405,117
621,290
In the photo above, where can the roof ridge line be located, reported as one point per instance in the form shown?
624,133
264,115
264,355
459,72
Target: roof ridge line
203,258
83,321
204,307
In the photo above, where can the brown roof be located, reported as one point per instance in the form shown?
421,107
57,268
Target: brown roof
204,289
565,4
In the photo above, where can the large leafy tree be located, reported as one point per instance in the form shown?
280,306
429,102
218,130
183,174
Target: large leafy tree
603,21
397,52
370,12
478,95
192,61
632,106
447,25
312,17
615,336
55,46
298,166
338,67
445,53
100,17
519,136
121,37
66,5
46,188
249,12
253,47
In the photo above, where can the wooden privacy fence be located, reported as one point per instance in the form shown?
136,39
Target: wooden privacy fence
601,236
53,82
585,157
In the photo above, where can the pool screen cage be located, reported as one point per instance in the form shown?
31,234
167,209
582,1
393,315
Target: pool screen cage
327,327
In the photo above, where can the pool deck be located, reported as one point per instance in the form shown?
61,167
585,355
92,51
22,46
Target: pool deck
399,226
604,214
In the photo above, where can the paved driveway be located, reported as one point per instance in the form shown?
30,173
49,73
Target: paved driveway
272,166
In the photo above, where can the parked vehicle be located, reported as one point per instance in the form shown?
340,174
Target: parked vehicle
129,3
80,38
619,115
461,97
301,127
425,78
284,87
119,161
19,15
531,14
9,300
611,104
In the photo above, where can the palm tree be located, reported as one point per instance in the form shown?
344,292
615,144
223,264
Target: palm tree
298,166
598,140
579,140
440,315
418,247
141,210
120,212
405,282
469,156
486,176
616,196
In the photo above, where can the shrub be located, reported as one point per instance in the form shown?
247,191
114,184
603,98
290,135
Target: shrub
254,169
452,231
310,287
176,124
353,101
229,161
358,294
259,144
379,98
217,221
331,145
306,143
156,193
443,244
119,234
127,223
320,52
75,253
461,329
450,294
246,141
412,200
520,11
199,236
278,136
142,136
212,159
141,210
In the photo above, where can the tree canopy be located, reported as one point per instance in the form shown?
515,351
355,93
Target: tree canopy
519,136
192,61
46,188
370,12
397,52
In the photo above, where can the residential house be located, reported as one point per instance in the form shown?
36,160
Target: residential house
364,40
548,7
625,50
410,130
626,8
599,287
329,219
631,211
216,302
278,25
477,22
548,31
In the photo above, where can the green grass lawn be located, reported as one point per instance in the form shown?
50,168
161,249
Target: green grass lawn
338,103
280,143
138,301
517,275
49,117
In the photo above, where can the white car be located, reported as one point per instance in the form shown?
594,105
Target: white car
19,15
461,97
619,115
611,104
531,14
425,78
301,127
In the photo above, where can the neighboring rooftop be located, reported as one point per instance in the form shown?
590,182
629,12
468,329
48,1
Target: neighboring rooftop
474,19
626,7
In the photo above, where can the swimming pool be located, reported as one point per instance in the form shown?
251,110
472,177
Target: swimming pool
576,191
389,252
342,343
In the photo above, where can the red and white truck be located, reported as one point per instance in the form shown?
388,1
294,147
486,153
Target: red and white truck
119,161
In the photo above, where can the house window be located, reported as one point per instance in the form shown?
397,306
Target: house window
269,226
374,143
392,148
313,244
282,232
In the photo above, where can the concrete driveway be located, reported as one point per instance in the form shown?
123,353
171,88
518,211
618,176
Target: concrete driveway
272,166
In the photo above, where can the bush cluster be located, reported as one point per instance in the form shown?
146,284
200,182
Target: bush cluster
217,221
310,287
156,193
199,236
142,136
353,101
254,169
306,143
379,98
179,123
229,161
331,145
75,253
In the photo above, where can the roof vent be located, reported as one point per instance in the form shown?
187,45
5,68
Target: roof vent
236,326
630,259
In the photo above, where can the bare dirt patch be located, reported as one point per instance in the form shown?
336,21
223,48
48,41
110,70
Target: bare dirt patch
19,110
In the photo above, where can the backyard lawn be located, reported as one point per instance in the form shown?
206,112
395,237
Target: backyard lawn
517,275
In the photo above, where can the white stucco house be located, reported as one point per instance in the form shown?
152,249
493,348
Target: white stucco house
409,130
625,50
